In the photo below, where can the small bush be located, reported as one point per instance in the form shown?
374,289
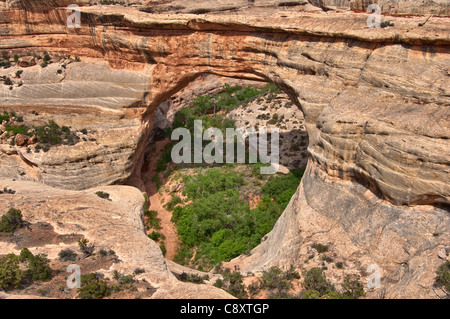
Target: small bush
10,273
156,236
138,271
122,279
386,24
38,268
153,220
20,129
194,278
320,248
6,190
85,248
175,200
443,277
102,253
8,81
102,194
11,221
25,254
162,246
315,279
352,287
49,133
5,117
128,279
67,255
233,283
93,288
218,283
278,281
311,294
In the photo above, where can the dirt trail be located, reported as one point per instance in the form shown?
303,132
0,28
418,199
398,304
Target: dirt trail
156,202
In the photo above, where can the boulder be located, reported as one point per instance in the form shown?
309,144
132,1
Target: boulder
21,139
32,140
27,61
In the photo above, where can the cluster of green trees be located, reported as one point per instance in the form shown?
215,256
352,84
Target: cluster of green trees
212,110
94,287
218,222
23,269
319,287
278,284
274,280
232,282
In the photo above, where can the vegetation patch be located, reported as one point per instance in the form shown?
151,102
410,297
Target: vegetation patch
23,269
319,287
194,278
11,221
218,222
443,277
92,287
102,194
46,135
320,248
213,217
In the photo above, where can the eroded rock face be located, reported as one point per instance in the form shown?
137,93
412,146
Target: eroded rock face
89,96
359,230
375,103
361,74
114,224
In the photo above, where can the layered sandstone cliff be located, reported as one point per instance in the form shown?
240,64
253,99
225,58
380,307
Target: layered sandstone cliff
375,103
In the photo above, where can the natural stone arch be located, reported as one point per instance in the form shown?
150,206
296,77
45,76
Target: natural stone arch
383,126
322,70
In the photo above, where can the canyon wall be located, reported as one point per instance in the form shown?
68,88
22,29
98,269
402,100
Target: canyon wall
375,103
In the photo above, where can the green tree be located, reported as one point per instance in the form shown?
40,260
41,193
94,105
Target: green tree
352,287
443,277
311,294
25,254
11,221
282,188
201,104
38,268
10,273
93,288
278,281
315,279
49,133
233,283
333,295
85,248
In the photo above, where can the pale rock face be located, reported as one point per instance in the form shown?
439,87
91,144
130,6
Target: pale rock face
115,224
375,103
359,229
